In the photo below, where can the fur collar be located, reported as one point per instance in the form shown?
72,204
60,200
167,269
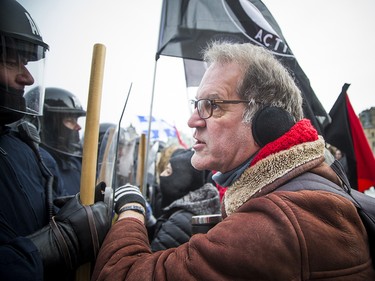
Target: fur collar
295,152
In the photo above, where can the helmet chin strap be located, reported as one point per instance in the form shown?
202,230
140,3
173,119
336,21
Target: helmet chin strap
7,116
12,105
9,90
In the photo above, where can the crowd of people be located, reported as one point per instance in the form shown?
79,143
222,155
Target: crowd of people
252,142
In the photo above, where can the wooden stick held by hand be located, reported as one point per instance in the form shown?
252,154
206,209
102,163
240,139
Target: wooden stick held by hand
90,146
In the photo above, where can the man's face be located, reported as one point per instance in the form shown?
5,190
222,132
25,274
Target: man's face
13,71
223,141
71,122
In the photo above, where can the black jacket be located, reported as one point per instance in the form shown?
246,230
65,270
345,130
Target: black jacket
22,209
173,227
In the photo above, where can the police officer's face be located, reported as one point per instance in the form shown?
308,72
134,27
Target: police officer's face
71,123
13,72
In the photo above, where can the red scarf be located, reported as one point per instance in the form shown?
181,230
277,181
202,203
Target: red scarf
301,132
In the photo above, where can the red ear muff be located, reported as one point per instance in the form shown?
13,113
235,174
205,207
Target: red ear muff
270,123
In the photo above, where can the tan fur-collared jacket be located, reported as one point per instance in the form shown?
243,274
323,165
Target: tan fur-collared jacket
265,235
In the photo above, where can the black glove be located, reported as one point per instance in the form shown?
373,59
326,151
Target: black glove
128,194
99,196
73,236
99,191
60,201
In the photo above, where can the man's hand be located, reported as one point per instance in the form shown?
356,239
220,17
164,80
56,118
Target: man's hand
128,194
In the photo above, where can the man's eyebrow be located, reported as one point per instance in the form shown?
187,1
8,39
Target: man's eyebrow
213,96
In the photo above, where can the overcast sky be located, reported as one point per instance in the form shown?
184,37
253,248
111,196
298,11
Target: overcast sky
333,41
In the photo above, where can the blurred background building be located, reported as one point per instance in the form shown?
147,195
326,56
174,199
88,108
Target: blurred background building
367,118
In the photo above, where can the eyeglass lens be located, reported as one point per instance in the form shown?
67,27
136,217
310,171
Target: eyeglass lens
204,107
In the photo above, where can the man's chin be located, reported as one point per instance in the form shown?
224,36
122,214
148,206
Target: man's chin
199,162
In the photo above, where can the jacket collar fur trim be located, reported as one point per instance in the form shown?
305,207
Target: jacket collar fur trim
276,167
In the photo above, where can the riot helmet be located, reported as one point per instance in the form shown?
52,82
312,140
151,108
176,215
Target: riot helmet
103,130
60,130
22,61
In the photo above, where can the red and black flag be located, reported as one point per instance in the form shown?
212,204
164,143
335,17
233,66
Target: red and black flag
346,133
188,26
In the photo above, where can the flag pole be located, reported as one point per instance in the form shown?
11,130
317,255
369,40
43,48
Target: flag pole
157,56
145,167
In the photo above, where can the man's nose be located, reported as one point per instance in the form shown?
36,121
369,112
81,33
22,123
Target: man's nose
195,120
24,77
77,127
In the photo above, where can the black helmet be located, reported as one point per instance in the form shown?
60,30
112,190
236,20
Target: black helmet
59,106
22,54
103,129
61,101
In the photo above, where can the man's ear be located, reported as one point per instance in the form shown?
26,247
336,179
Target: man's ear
270,123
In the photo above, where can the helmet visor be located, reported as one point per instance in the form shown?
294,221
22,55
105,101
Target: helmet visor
62,132
21,76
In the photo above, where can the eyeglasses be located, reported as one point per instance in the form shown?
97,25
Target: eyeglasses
205,107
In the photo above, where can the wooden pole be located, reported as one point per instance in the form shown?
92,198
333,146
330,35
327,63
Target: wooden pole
141,161
90,146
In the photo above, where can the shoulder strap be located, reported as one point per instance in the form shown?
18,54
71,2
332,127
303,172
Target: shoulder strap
339,170
362,201
311,181
365,204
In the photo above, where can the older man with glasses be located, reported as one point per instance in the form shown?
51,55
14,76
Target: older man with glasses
249,127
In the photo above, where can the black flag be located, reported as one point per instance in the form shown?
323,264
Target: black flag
188,26
346,133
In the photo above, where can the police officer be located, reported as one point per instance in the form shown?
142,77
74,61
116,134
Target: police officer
60,135
35,243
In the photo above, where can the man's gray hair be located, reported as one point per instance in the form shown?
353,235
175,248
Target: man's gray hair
266,82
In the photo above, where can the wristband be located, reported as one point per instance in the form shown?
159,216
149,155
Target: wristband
134,208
